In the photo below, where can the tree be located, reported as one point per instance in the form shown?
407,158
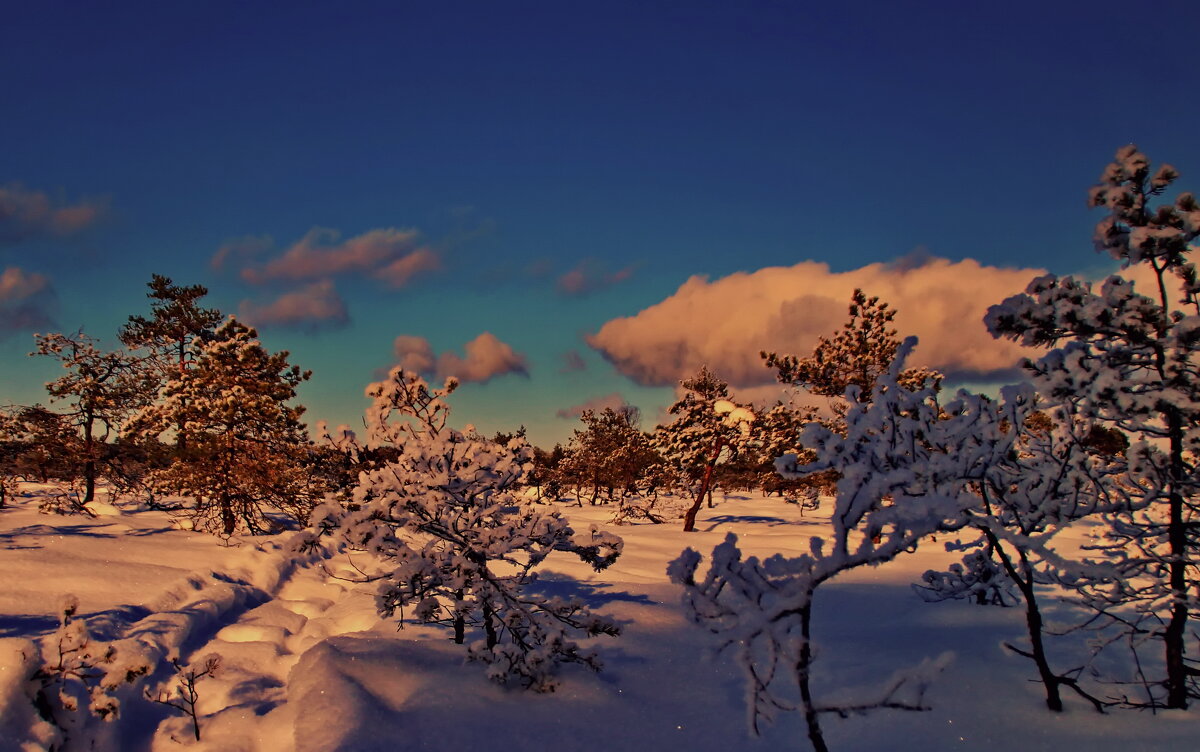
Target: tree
456,544
1132,362
100,388
609,452
706,424
176,322
855,356
44,443
899,440
1053,476
246,443
776,433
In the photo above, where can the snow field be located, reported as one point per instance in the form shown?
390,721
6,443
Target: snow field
308,666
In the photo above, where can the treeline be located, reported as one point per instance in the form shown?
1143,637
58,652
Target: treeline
192,405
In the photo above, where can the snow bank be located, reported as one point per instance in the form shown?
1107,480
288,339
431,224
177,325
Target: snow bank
20,727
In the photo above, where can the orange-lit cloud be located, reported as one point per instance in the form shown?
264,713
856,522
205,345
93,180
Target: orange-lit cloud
391,255
486,358
27,301
26,214
724,323
310,308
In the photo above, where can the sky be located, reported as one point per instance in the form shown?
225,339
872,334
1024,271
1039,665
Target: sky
565,203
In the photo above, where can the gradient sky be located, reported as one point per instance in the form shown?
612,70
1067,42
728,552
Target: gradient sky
555,166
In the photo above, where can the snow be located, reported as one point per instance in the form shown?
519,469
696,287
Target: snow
307,665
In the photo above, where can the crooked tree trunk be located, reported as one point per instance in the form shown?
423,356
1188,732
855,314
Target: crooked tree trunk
803,668
689,520
1033,621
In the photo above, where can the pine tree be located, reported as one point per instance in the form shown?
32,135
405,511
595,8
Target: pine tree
701,431
1132,362
176,322
100,389
857,356
246,444
609,452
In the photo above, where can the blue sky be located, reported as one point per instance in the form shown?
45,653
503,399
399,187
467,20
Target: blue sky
631,144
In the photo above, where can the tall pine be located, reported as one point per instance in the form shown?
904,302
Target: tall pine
246,444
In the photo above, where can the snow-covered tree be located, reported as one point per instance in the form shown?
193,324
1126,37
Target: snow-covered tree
1053,476
695,440
903,463
246,444
457,545
100,390
1131,360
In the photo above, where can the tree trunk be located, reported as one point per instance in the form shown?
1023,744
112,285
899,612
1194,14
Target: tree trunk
1176,631
89,461
689,521
489,626
803,669
1033,620
460,621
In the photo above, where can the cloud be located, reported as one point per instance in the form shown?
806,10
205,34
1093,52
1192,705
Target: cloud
588,277
486,358
398,273
572,362
596,404
27,302
390,255
724,323
26,213
317,306
415,354
241,250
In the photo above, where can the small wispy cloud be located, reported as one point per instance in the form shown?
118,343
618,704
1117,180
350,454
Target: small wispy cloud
392,256
27,302
311,308
588,276
572,362
27,214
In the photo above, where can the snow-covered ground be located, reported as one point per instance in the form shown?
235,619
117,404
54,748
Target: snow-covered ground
307,665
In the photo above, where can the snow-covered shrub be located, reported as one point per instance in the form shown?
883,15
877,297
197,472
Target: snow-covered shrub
76,668
457,544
